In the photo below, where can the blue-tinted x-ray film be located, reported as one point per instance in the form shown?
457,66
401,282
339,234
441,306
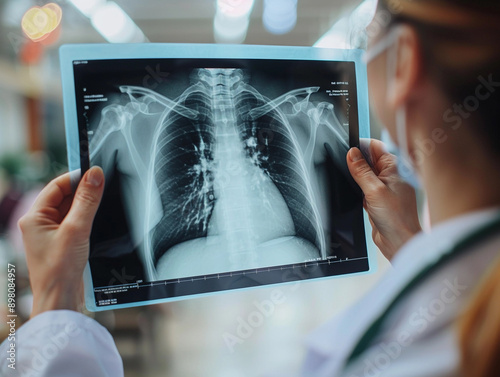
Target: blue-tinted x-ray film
225,166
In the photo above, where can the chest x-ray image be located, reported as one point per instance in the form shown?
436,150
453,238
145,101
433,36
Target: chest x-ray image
217,167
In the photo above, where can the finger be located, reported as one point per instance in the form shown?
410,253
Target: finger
372,223
75,177
381,159
376,154
64,207
365,204
362,172
85,203
53,194
341,166
378,149
364,146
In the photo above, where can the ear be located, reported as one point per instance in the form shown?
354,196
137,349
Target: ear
408,69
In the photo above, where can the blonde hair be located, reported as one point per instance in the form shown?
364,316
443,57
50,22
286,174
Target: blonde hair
479,330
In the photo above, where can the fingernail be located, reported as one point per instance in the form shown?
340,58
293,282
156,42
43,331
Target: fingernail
355,154
94,177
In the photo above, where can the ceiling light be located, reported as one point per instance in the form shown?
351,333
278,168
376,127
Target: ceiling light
235,8
115,25
280,16
350,30
232,19
87,7
230,29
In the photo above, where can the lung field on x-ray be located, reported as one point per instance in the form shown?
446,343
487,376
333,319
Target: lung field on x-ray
219,178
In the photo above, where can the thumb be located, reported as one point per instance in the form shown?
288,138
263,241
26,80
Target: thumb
362,172
85,203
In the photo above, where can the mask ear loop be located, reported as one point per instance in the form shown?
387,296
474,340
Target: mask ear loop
392,66
382,45
392,60
407,168
402,136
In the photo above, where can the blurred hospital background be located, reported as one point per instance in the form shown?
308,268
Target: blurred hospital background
186,338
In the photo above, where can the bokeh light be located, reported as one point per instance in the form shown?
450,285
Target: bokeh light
39,22
115,25
231,20
87,7
235,8
280,16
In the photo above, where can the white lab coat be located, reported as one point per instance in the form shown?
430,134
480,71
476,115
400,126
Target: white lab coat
417,339
62,343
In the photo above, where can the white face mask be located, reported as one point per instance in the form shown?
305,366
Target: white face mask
405,167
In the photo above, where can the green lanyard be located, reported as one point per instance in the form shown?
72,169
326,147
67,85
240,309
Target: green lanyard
460,248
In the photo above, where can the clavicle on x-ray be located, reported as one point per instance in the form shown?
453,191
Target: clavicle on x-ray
221,178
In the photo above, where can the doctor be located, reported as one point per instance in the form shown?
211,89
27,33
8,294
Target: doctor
435,81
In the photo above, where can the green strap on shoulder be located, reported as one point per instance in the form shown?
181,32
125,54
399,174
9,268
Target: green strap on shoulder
459,249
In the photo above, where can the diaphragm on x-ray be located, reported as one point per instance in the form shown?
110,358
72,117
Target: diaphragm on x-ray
218,169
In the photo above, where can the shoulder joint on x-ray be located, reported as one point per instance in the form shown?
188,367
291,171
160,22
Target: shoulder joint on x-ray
291,96
168,103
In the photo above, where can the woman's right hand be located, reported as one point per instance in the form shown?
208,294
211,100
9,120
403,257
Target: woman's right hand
390,202
56,233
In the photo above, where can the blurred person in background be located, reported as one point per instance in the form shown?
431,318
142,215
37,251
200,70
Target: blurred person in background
434,73
10,195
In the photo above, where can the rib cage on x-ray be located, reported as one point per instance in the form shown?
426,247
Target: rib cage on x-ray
217,151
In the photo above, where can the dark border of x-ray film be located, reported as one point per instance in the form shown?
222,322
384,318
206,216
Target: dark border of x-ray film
123,292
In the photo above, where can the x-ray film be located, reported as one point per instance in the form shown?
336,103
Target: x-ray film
225,166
